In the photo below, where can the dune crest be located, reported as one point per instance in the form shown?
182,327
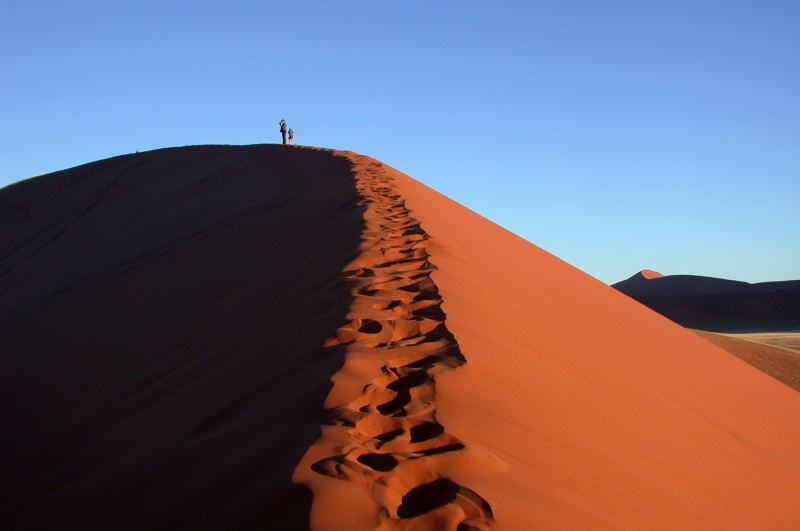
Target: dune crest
161,323
172,321
648,274
384,435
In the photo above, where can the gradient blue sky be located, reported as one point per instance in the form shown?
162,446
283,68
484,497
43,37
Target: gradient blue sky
616,135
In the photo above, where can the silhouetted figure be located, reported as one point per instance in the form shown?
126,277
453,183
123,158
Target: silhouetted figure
291,136
283,130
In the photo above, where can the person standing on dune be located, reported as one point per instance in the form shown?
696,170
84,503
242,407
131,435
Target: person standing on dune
291,136
283,130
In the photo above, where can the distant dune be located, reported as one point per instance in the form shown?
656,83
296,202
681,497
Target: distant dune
718,304
648,274
278,337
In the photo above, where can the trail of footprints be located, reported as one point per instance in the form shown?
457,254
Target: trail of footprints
396,443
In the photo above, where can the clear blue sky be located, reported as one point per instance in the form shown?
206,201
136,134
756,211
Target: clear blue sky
616,135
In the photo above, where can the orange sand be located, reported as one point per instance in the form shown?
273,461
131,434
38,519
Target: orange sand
584,409
648,274
385,462
202,338
783,364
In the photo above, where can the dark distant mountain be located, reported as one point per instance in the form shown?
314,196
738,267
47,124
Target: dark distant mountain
718,304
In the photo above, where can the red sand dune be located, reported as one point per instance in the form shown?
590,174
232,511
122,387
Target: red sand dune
587,410
171,320
649,275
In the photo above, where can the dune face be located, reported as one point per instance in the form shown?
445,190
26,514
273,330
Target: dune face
780,363
718,304
597,412
385,439
163,316
275,337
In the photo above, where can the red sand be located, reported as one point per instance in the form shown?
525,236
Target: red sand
171,321
648,274
385,461
780,363
588,410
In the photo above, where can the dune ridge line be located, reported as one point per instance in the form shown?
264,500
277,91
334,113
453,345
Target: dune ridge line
383,433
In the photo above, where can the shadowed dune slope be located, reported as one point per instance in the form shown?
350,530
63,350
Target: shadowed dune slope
597,412
162,316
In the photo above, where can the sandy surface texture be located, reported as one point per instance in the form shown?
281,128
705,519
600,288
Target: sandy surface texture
385,461
276,337
790,340
595,412
781,363
162,320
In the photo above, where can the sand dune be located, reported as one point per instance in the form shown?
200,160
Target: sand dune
598,412
649,274
205,338
718,304
163,316
781,363
386,437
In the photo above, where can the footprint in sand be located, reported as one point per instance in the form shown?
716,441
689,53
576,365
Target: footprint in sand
394,437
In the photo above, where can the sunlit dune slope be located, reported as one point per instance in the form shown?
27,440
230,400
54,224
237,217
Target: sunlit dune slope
599,412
